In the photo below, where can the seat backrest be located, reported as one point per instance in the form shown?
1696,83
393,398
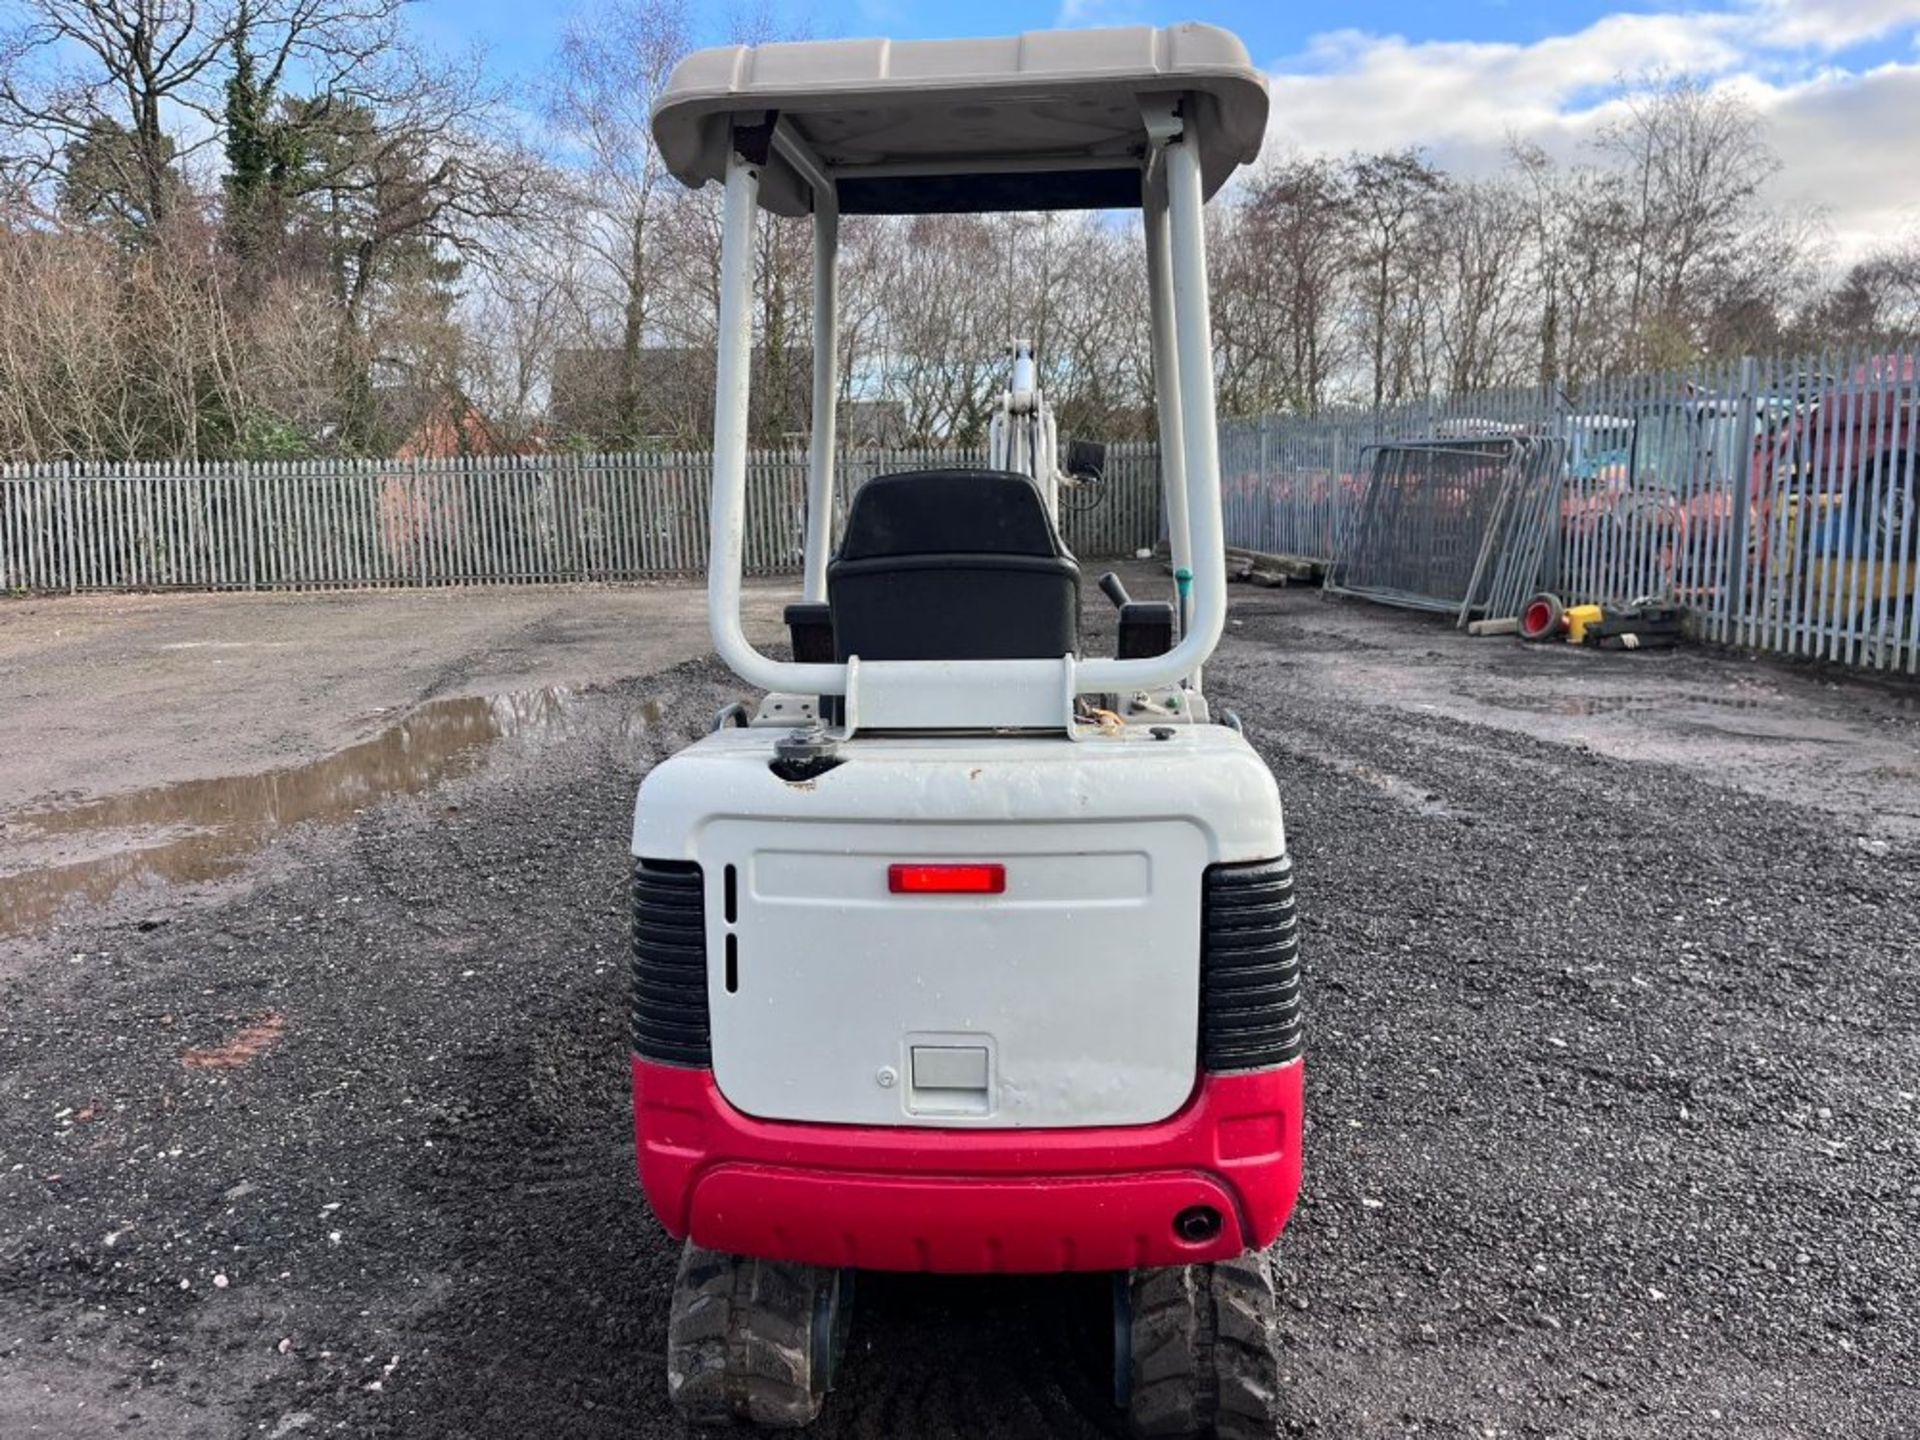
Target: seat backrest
953,565
949,512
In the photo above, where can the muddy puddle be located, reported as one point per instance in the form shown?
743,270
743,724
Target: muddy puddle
197,830
1591,705
1745,713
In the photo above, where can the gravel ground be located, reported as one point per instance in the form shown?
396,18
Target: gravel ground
1614,1052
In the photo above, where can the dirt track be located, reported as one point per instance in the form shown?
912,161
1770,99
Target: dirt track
113,692
1614,1057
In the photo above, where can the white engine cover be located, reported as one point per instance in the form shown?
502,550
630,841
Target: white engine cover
1070,999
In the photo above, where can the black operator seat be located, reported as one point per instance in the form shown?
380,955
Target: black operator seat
953,565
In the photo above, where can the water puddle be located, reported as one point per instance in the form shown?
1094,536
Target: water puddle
1592,705
198,830
1747,713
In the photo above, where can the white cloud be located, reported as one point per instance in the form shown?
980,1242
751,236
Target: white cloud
1848,146
1846,136
1833,24
1356,91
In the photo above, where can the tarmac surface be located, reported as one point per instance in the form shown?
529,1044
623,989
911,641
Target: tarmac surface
313,1110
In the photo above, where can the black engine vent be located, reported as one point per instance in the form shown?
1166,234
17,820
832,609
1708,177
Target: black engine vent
1249,967
670,1021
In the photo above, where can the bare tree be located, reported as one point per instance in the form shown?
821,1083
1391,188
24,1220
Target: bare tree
1876,302
944,291
1097,349
1391,197
109,353
1481,301
523,310
1287,259
116,81
1692,162
613,61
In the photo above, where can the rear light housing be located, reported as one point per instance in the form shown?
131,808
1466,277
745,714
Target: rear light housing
947,879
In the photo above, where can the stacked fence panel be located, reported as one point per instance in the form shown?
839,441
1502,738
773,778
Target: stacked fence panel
1457,523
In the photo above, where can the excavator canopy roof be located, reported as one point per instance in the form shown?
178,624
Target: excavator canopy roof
1050,120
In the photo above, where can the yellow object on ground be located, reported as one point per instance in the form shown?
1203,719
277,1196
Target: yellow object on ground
1578,618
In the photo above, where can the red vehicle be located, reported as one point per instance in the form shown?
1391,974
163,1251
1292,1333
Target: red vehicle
1826,521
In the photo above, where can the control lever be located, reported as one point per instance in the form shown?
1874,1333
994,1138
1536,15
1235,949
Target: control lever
1115,590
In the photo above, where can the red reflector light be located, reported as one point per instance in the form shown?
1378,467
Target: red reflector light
947,879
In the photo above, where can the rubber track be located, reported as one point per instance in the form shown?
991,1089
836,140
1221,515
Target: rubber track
740,1340
1202,1352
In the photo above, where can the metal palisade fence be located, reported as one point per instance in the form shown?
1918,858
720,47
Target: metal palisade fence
334,524
1775,499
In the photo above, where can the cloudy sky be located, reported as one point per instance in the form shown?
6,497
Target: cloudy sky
1837,80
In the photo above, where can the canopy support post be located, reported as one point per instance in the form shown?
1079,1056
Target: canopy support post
1166,392
826,391
1192,375
1200,440
732,386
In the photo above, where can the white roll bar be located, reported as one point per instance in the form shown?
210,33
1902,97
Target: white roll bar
796,152
826,393
1187,427
1199,442
734,365
1166,384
